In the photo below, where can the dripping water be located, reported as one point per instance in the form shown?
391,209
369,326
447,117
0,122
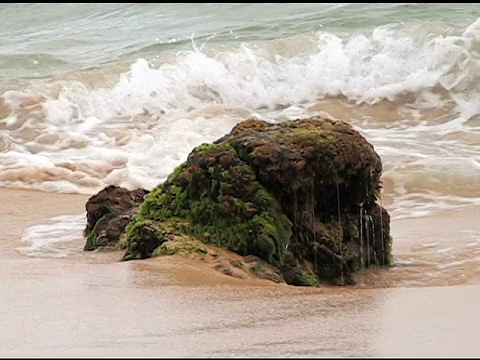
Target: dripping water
374,242
381,231
361,237
362,260
341,227
313,214
295,209
313,222
368,238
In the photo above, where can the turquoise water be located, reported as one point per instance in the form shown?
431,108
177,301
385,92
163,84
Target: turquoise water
42,39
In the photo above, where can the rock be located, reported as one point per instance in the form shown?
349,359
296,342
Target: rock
300,195
108,214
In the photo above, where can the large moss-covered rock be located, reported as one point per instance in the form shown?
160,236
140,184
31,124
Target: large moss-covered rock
301,195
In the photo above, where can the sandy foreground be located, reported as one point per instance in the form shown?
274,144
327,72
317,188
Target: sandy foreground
92,305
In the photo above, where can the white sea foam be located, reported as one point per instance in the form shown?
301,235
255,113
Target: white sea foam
413,94
61,237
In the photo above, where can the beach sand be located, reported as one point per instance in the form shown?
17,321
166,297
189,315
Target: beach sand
94,305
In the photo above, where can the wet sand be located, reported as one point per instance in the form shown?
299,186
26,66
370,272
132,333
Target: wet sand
93,305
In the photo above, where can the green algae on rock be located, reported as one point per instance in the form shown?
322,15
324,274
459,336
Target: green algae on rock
301,195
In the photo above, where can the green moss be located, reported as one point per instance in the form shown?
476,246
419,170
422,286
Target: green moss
111,209
273,236
266,234
201,250
165,250
263,197
143,237
180,245
237,263
336,234
354,264
205,147
122,242
305,279
227,175
176,172
388,251
257,267
92,241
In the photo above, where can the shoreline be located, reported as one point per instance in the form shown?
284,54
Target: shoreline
96,305
22,208
182,270
418,245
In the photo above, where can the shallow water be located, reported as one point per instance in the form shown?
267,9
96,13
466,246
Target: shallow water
101,311
91,304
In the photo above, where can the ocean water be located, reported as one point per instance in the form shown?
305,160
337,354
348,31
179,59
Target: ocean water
99,94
